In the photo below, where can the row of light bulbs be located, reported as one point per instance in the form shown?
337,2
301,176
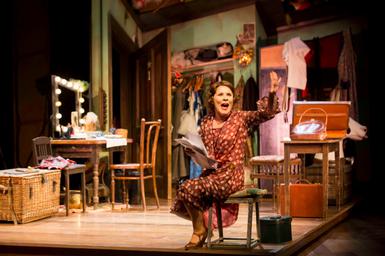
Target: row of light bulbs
74,85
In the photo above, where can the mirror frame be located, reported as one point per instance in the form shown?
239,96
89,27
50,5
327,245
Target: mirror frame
78,89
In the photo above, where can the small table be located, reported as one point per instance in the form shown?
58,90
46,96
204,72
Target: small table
88,149
310,147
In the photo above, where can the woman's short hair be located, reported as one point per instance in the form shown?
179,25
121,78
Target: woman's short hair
213,89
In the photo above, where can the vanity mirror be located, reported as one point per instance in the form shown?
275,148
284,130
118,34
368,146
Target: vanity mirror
68,103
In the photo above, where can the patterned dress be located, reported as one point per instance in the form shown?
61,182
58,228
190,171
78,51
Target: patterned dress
227,146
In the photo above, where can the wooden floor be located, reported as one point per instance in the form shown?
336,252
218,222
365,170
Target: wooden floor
133,232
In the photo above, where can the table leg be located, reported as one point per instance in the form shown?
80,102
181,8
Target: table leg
286,178
96,183
339,178
325,178
83,189
67,194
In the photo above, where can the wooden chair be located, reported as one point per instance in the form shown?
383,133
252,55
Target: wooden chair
270,167
42,149
145,169
124,134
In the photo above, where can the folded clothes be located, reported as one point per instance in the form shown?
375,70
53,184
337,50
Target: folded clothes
56,162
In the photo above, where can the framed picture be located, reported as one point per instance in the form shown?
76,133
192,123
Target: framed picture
248,36
74,119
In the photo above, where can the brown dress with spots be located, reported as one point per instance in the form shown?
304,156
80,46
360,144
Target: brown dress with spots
226,145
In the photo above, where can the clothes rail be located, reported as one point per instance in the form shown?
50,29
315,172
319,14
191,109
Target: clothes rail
210,70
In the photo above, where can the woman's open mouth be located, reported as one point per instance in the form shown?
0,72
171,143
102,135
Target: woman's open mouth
225,106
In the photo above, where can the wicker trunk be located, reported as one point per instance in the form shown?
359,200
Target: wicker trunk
28,194
313,174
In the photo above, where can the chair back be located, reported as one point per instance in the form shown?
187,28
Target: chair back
149,136
41,148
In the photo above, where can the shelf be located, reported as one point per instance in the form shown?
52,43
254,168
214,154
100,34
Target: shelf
210,66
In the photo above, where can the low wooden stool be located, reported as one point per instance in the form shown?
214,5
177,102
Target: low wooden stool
271,167
249,196
70,170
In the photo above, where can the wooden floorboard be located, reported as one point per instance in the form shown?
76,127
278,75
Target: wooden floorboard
134,232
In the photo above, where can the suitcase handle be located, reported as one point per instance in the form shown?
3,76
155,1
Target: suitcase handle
321,109
299,181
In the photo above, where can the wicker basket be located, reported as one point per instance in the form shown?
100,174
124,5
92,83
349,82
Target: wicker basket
28,194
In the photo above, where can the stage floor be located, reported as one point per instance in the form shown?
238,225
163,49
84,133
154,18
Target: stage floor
148,232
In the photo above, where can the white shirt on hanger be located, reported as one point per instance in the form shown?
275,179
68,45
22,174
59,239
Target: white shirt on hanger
293,53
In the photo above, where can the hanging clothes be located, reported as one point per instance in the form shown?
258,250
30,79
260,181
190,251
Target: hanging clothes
179,161
229,77
195,169
347,72
250,95
294,52
238,97
187,118
330,50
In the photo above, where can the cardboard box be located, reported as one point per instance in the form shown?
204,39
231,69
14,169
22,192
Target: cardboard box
335,115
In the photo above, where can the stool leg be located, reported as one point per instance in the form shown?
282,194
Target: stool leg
209,229
67,194
258,224
83,189
219,220
249,223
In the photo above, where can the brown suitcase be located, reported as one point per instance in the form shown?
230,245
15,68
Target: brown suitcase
334,114
306,200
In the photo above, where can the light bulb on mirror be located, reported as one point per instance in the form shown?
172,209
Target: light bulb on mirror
76,86
58,103
57,91
64,128
58,116
57,79
81,100
69,84
63,81
82,121
82,110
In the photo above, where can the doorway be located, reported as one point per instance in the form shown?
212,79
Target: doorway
122,79
122,96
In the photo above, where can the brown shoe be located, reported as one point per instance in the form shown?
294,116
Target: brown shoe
198,244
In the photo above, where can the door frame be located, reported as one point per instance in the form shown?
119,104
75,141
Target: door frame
147,54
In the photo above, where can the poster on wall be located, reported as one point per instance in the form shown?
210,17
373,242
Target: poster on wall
274,131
